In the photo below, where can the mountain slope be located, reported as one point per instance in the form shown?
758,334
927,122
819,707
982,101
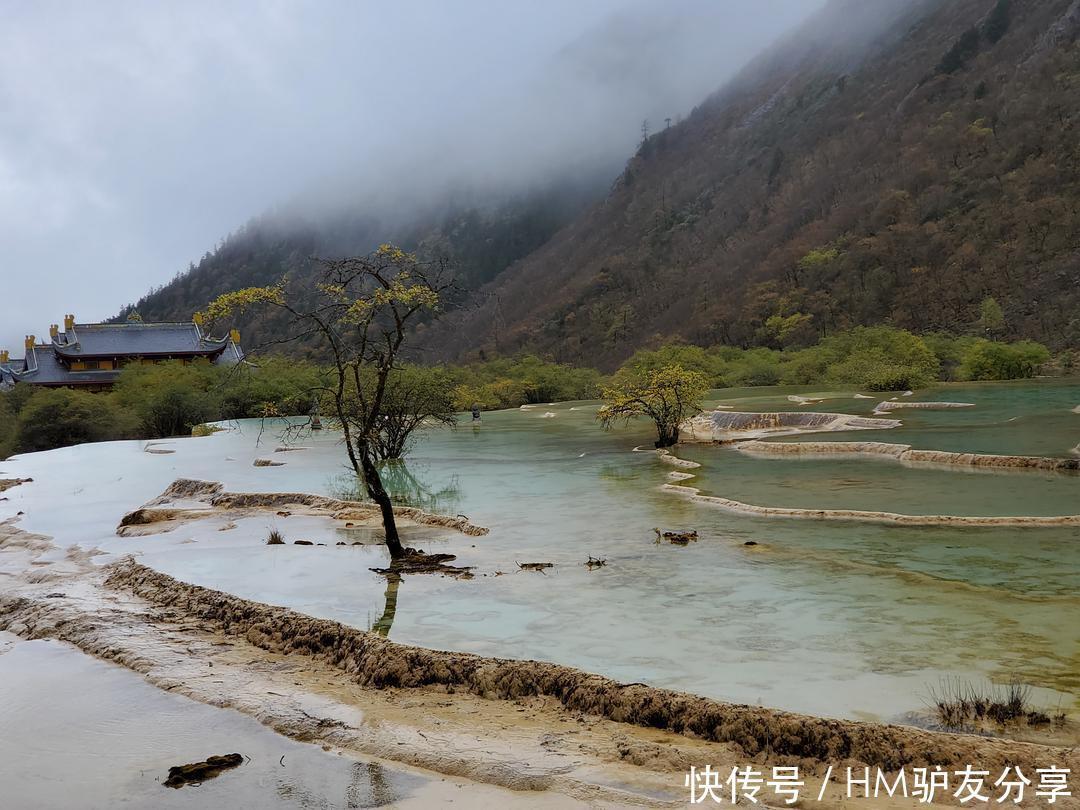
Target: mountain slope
501,164
483,235
888,162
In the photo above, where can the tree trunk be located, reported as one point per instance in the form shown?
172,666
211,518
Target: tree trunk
666,436
378,494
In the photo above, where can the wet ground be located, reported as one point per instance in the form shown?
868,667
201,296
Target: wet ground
78,732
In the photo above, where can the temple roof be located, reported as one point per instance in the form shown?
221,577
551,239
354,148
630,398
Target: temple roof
135,339
42,364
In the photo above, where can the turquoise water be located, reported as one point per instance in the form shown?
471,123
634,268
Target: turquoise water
842,619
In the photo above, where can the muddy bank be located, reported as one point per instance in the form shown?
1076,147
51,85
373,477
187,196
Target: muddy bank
8,483
905,453
187,499
726,425
547,758
375,662
13,538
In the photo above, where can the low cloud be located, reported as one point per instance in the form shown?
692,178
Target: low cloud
134,137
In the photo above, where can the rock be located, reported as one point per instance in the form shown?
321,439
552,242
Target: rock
8,483
265,462
302,543
676,538
535,566
196,772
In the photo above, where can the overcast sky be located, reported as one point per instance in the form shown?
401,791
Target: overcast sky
134,136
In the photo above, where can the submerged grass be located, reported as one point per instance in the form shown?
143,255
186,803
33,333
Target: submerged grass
960,705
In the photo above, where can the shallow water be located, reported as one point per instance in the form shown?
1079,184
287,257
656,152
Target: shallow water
77,732
842,619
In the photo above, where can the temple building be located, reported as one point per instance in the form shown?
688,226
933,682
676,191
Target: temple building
91,355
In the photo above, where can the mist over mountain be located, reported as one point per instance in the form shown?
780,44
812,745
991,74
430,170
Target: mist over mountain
884,162
550,134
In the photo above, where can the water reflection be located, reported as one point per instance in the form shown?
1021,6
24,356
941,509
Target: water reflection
81,732
407,488
406,485
383,623
369,786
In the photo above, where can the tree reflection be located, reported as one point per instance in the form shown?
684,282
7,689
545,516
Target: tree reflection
393,583
405,487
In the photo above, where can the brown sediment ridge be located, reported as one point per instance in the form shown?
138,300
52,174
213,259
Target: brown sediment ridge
890,405
866,516
188,499
8,483
905,453
721,425
373,661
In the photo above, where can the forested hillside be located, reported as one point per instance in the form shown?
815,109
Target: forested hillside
906,162
889,163
481,237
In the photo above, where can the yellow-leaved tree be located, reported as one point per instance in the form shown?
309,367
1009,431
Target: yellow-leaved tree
361,311
668,395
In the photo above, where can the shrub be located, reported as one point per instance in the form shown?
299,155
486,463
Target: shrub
755,367
880,358
691,358
57,417
989,360
807,366
278,385
169,399
7,426
509,383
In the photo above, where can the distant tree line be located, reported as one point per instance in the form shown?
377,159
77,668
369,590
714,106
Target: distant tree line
170,399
